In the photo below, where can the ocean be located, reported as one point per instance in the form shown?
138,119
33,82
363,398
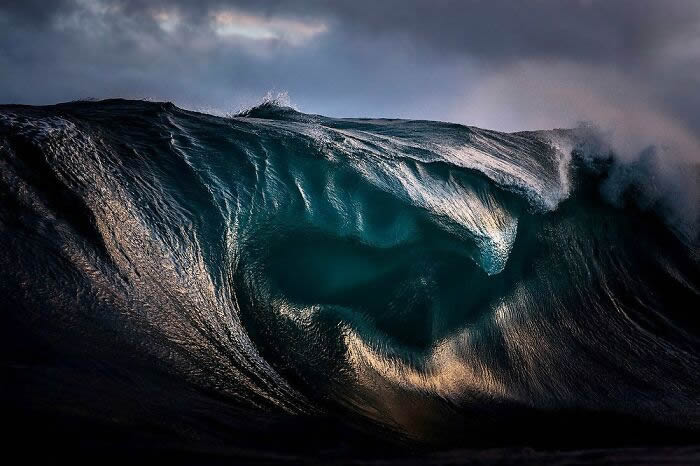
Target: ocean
274,286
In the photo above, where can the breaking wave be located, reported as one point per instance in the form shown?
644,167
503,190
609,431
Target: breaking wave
425,282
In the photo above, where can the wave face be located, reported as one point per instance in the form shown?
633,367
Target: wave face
224,278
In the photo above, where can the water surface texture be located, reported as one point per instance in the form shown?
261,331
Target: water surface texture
291,283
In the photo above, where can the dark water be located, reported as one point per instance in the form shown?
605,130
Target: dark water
278,286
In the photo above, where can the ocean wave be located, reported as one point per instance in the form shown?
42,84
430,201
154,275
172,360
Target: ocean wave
427,278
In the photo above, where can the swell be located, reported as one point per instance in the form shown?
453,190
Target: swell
446,283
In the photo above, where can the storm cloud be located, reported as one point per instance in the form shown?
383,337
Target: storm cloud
509,65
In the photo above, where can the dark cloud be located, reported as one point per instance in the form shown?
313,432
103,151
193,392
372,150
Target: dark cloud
505,64
497,30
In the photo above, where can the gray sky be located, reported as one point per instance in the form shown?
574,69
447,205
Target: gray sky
505,65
